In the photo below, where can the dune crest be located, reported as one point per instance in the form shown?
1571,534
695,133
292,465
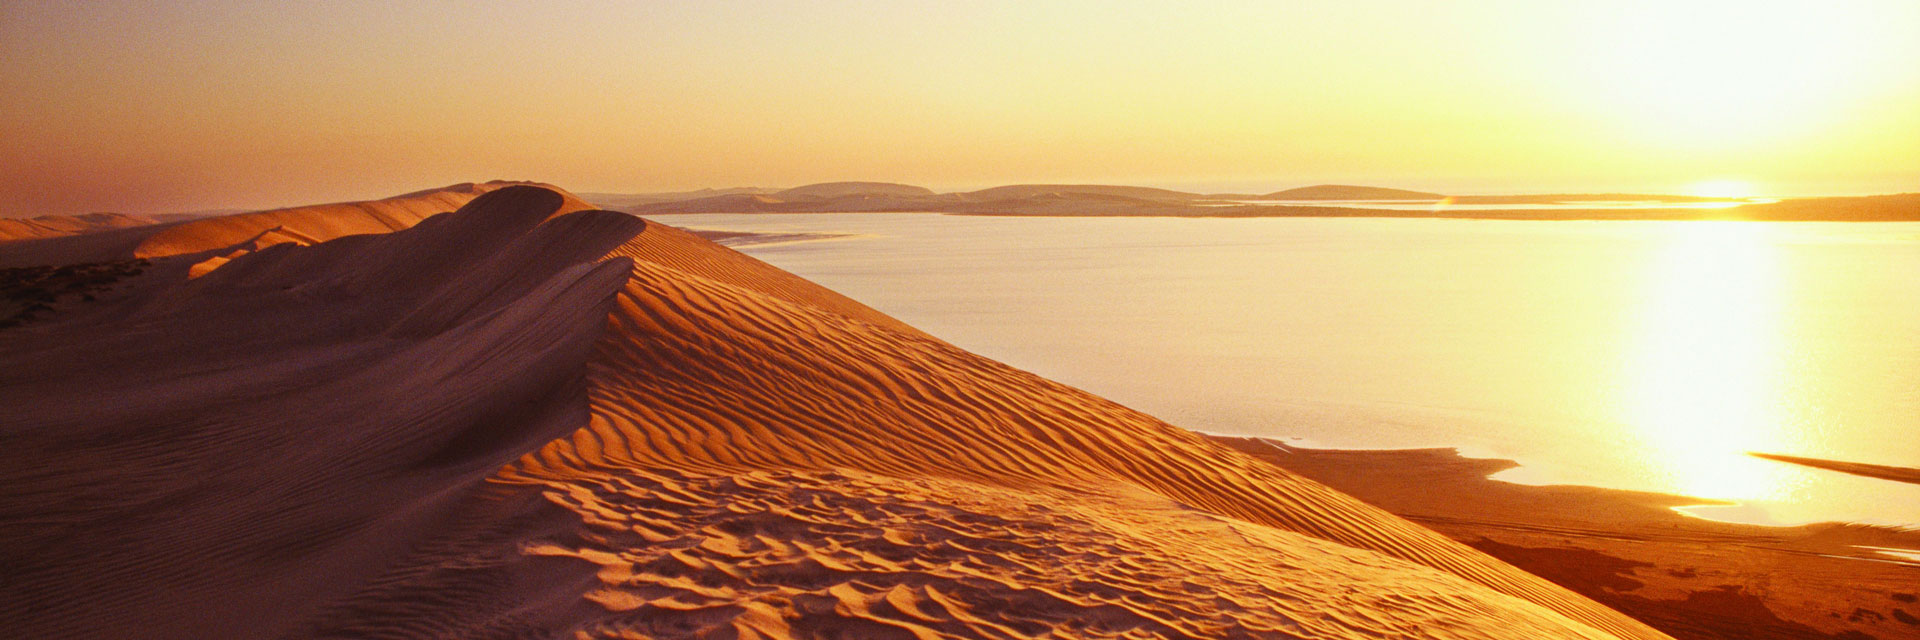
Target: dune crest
300,442
301,225
55,226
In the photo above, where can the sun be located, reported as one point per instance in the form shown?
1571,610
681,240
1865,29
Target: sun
1722,189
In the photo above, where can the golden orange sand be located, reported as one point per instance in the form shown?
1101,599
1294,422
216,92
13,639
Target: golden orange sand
56,226
25,243
1688,576
369,436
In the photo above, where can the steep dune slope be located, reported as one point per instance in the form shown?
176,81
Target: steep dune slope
689,254
293,443
718,378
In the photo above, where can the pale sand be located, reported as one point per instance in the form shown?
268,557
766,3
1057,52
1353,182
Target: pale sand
310,440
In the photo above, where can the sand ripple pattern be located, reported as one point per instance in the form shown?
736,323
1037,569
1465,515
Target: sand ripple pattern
855,555
758,372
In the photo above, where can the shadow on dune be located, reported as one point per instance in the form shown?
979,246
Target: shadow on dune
250,444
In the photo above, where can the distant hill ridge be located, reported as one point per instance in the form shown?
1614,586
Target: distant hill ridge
1034,199
845,189
1341,201
1016,191
625,200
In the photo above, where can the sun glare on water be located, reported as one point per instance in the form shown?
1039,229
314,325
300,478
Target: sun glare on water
1704,379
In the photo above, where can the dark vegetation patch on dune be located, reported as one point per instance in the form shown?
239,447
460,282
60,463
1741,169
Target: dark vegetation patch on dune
29,292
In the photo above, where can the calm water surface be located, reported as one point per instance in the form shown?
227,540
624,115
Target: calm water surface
1640,355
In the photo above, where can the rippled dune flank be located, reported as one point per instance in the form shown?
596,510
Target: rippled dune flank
516,420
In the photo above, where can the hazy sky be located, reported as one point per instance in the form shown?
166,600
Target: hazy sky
169,106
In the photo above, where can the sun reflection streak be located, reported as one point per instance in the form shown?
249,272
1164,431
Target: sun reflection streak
1706,375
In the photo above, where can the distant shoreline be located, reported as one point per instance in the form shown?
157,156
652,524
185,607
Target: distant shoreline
1897,208
1550,215
1341,201
738,239
1538,215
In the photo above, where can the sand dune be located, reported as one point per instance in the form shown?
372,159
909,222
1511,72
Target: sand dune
54,226
1691,577
743,376
519,422
223,456
302,225
852,554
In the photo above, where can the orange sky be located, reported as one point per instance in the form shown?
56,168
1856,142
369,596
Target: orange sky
193,105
